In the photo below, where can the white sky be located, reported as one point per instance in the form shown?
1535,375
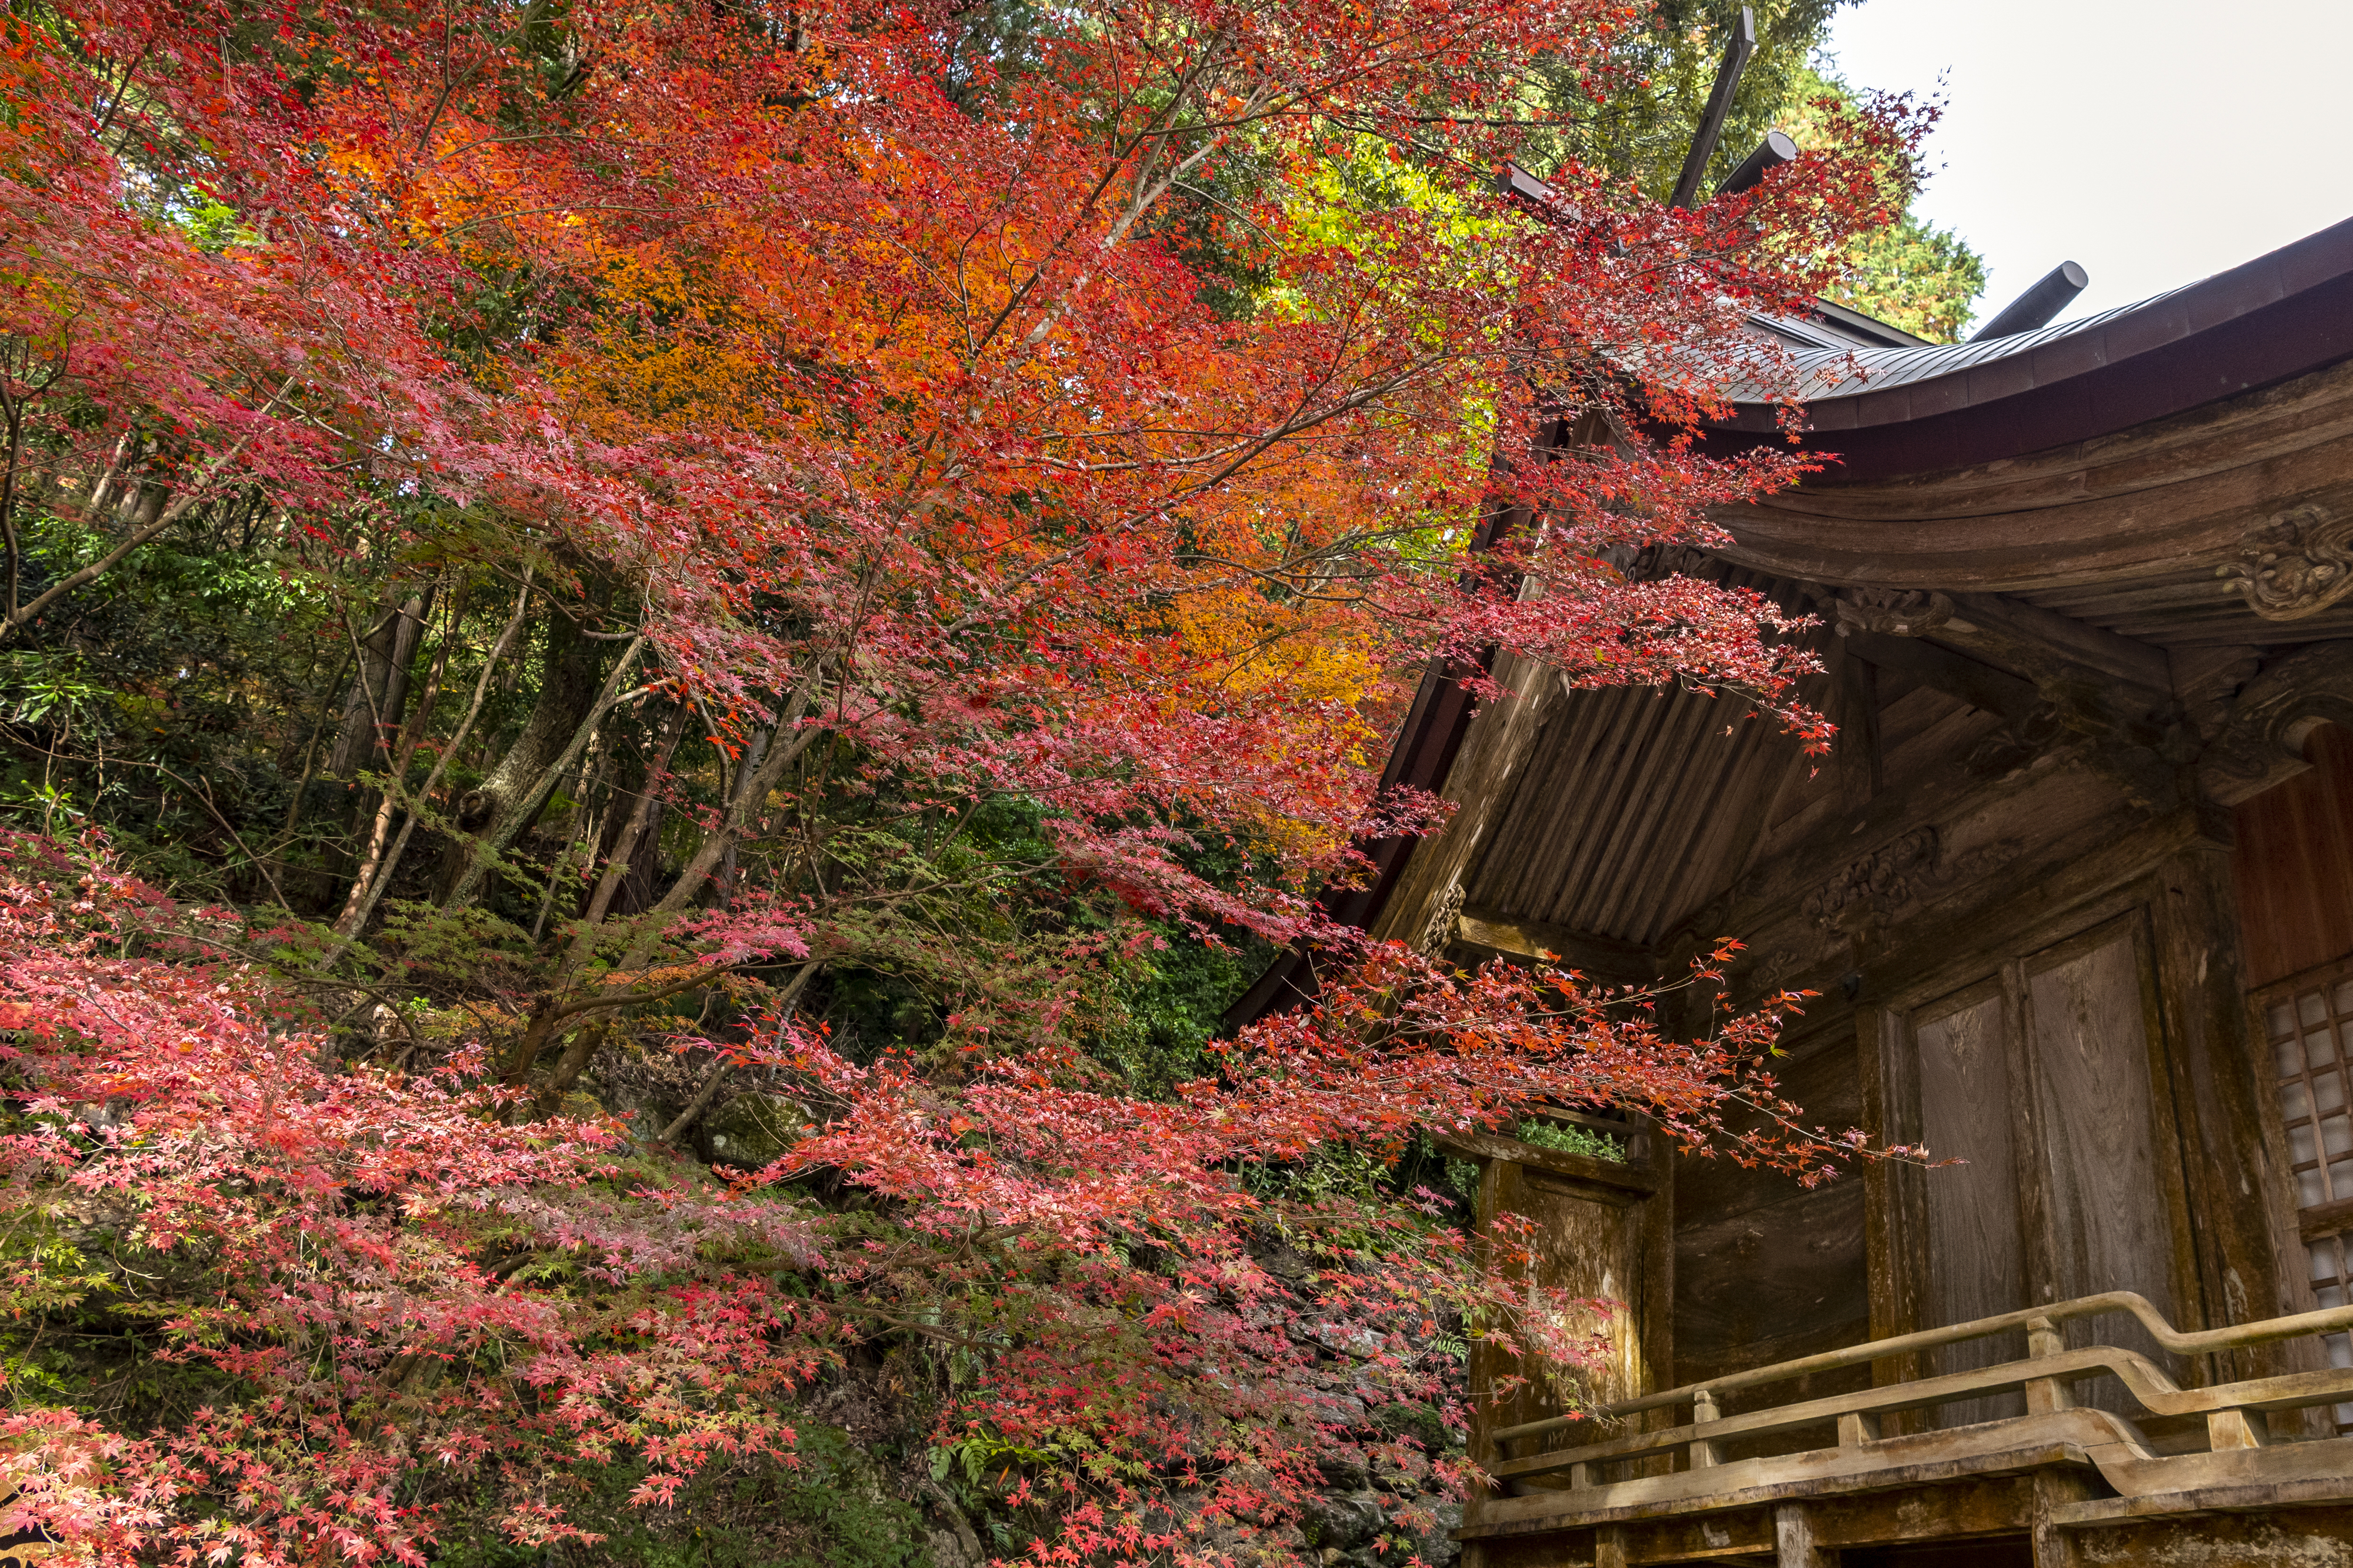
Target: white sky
2155,141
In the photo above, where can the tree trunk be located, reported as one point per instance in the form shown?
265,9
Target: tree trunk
630,848
747,774
501,806
379,690
411,731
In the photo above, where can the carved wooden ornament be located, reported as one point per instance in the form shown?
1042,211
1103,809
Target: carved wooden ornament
1889,612
2297,564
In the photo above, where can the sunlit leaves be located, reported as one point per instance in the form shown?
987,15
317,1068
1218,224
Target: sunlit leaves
1083,414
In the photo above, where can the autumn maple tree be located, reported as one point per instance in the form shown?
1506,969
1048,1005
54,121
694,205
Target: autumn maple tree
774,495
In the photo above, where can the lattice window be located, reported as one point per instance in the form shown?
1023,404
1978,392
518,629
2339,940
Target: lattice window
2332,1275
2312,1037
2311,1029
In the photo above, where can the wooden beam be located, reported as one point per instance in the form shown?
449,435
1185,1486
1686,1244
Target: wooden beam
1597,956
1736,50
1938,944
1974,681
1479,784
2325,1219
1955,1511
1621,1182
2036,642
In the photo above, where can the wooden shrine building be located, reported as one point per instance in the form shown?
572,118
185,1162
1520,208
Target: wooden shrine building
2076,890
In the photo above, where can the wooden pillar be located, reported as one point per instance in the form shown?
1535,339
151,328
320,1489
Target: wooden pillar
1656,1301
1894,1223
1703,1454
2045,1395
1609,1546
1793,1540
2236,1251
2054,1547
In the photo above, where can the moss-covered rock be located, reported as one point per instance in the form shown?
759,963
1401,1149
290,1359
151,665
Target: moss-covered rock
753,1130
1408,1418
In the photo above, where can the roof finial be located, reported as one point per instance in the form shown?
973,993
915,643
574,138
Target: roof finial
2035,308
1776,149
1736,50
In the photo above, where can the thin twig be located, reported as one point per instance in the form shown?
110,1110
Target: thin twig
617,865
440,765
310,752
204,793
139,536
705,1092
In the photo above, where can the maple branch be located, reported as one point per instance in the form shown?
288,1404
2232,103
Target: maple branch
547,1019
440,99
490,845
357,914
1300,424
1156,130
705,1092
17,619
715,844
616,864
1146,195
115,97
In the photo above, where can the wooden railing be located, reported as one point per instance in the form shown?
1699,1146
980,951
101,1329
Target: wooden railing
2045,1378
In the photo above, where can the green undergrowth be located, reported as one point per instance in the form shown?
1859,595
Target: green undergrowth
1572,1141
837,1509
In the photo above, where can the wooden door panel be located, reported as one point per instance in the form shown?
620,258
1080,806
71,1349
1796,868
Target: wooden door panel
1593,1242
2105,1190
2040,1079
1976,1263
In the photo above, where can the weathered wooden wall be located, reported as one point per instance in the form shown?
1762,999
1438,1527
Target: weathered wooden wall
2294,865
1768,1270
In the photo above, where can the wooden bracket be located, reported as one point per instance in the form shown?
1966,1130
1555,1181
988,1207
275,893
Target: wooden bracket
2233,1429
1857,1428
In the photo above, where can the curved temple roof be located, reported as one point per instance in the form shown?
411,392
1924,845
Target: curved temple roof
2116,487
1890,411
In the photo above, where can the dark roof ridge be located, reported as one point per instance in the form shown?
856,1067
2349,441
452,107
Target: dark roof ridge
1918,410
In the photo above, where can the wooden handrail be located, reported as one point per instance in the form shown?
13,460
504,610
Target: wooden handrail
2147,1383
2197,1342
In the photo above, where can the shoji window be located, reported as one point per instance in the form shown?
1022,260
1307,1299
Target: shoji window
2310,1024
